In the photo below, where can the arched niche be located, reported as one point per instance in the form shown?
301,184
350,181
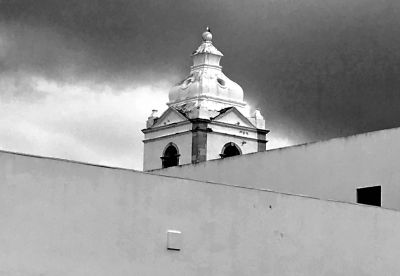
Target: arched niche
230,149
170,156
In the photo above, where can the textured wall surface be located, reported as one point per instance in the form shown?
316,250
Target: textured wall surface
331,169
65,218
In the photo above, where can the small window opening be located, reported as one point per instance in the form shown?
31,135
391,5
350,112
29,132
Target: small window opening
170,157
221,81
369,195
230,149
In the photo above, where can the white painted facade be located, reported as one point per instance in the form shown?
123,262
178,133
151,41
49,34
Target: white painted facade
332,169
65,218
69,219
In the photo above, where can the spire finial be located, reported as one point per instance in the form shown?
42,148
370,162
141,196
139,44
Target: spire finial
207,36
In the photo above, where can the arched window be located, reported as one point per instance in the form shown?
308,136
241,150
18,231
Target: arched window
230,149
170,156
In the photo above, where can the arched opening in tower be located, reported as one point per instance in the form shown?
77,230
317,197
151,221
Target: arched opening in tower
230,149
170,157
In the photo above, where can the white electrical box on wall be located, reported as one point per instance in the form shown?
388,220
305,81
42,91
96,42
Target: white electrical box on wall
174,240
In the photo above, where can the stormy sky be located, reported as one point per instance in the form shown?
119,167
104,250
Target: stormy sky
78,78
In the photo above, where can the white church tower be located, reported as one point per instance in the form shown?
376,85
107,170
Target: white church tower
206,119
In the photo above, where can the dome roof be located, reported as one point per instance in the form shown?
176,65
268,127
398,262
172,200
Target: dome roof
206,79
208,83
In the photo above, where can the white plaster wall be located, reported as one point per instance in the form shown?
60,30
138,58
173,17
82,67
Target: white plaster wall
153,150
215,143
331,169
62,218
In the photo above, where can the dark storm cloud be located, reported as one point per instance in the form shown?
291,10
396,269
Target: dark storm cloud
110,39
317,69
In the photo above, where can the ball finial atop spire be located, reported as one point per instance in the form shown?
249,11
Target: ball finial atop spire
207,36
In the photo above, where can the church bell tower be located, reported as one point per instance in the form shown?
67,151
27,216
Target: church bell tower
206,118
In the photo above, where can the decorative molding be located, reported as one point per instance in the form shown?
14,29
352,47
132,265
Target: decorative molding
165,114
205,97
167,136
149,130
238,113
241,137
240,127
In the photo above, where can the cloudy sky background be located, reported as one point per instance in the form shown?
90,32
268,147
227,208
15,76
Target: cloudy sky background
78,78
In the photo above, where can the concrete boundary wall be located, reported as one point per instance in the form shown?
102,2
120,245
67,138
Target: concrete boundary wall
331,169
65,218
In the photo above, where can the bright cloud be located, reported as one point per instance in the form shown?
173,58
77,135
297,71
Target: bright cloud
86,122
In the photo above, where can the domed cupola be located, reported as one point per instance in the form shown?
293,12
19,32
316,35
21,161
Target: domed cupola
206,88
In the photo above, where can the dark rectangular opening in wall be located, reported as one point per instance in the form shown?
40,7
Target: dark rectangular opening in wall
369,195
